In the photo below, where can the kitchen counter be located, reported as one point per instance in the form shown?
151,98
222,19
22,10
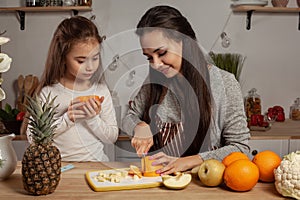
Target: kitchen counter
289,129
74,186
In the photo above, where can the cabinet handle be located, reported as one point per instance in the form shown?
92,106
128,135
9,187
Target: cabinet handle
254,152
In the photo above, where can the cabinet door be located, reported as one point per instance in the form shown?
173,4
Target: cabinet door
20,147
281,147
294,145
124,152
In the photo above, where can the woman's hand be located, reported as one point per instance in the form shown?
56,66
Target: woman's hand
174,164
143,139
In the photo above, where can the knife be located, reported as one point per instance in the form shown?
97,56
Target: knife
143,162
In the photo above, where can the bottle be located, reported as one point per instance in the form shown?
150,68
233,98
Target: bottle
32,3
295,110
85,2
252,104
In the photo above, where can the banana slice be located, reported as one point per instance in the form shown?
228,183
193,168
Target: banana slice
177,182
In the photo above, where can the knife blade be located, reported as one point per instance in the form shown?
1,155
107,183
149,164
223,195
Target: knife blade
143,162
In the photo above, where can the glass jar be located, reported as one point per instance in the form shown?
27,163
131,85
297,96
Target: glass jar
252,104
32,3
85,2
295,110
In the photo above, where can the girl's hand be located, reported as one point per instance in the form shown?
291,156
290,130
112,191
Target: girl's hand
74,110
83,110
91,108
174,164
143,139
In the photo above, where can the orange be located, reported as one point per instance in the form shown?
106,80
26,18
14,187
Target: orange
266,162
241,175
233,157
86,98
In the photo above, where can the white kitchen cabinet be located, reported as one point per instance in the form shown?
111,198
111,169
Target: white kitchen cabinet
20,147
124,152
279,146
294,145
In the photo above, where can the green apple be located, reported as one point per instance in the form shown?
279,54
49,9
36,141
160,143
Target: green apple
211,172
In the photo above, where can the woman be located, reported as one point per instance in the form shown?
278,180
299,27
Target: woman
187,107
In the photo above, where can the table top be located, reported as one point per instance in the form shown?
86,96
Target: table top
289,129
73,185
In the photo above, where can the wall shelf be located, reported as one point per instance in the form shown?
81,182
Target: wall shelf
22,10
251,9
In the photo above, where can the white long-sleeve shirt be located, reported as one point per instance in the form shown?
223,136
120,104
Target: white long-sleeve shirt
82,140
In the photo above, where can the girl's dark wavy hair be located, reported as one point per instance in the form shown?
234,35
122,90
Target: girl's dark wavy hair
194,69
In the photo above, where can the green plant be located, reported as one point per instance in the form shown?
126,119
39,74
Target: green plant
8,113
231,62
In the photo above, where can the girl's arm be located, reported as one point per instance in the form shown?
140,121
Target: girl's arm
104,126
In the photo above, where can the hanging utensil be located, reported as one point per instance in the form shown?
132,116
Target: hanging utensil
20,93
34,86
28,84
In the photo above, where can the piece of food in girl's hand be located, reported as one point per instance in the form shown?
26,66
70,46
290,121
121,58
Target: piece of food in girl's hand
86,98
96,97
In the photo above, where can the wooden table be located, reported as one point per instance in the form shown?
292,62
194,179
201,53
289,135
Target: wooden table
74,186
289,129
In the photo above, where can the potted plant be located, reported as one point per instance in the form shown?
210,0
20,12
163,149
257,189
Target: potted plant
231,62
12,119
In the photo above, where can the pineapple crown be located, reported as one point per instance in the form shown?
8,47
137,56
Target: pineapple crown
41,120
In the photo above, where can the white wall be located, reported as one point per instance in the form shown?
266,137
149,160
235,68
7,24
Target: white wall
271,46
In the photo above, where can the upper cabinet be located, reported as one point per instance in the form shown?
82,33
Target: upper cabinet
250,9
22,10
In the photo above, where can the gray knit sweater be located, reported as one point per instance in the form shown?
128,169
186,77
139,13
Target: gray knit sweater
228,131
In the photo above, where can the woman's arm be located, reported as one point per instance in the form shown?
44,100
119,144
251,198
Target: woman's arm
135,112
234,133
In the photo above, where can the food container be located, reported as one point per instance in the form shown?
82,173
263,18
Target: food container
252,104
279,3
295,110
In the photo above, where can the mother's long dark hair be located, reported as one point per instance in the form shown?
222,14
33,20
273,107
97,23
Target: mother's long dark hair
194,69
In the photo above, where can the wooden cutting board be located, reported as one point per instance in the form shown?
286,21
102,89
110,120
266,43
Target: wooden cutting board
127,183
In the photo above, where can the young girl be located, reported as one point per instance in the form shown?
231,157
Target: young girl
73,69
187,107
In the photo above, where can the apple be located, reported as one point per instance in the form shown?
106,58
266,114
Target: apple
211,172
177,182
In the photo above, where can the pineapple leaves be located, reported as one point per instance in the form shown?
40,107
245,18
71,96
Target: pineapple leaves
41,120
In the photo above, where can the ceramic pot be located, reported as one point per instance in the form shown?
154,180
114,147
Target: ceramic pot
8,156
280,3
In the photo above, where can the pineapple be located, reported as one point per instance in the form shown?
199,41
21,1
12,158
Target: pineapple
41,164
